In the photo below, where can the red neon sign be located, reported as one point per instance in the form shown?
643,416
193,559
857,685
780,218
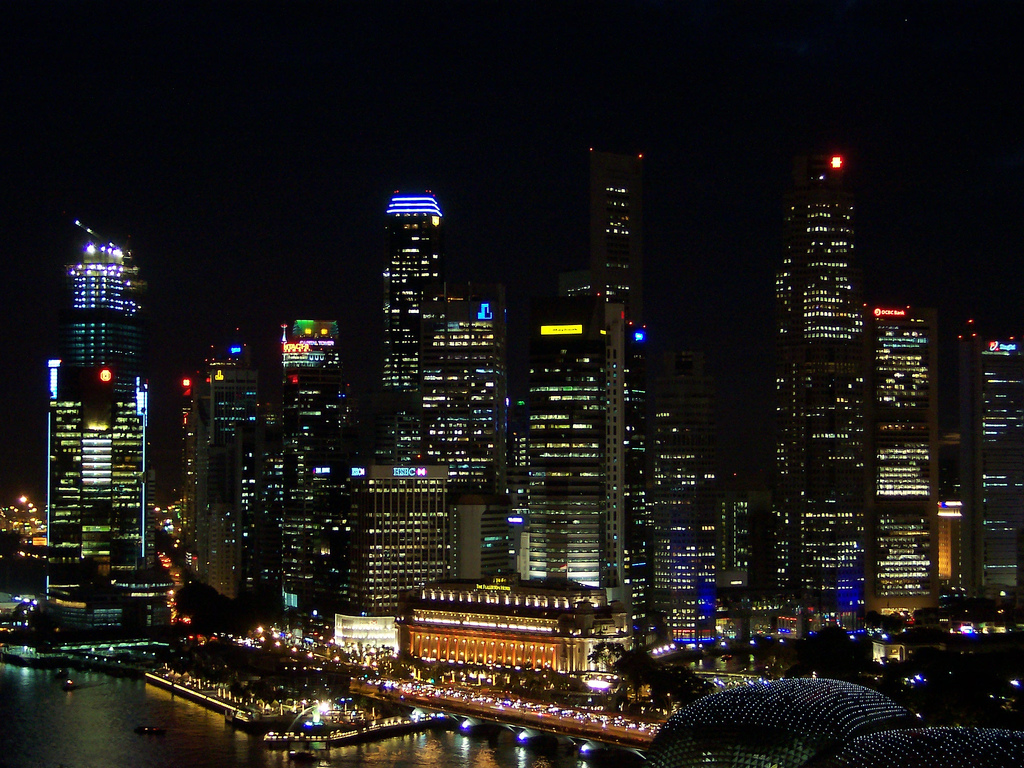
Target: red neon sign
289,347
186,383
837,162
879,312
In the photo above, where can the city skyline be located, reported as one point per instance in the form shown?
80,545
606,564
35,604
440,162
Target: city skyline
919,106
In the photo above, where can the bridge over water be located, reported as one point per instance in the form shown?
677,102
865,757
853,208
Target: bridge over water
588,729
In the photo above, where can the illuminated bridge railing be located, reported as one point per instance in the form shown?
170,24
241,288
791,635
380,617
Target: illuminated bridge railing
629,733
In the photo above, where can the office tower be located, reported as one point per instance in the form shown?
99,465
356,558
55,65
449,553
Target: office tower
414,272
317,451
464,385
820,393
683,498
227,470
901,547
97,494
576,522
481,536
616,275
744,538
950,532
991,463
415,269
639,566
518,473
616,230
401,530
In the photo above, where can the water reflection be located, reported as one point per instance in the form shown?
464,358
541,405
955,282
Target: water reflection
94,727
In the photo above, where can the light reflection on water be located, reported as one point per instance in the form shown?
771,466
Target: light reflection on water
42,726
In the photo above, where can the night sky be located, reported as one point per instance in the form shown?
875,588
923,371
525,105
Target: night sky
245,152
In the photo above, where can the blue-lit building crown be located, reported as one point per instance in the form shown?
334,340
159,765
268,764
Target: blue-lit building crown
418,205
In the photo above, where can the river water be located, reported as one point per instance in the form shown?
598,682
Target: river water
42,726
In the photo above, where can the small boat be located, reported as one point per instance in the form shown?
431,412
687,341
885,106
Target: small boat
69,685
152,730
59,674
301,755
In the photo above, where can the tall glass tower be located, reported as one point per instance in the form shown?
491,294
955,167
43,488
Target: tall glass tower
576,442
820,391
683,499
316,528
413,274
902,461
992,464
464,386
415,265
97,494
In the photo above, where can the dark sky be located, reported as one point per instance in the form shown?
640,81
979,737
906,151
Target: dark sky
246,152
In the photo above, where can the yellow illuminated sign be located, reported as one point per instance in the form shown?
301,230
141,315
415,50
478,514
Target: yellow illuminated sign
561,330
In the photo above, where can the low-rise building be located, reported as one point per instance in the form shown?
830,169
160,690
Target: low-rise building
510,623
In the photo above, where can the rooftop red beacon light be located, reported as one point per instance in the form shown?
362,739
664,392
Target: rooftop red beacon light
837,162
186,383
106,375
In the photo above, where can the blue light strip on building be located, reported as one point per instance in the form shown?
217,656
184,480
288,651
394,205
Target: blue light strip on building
401,204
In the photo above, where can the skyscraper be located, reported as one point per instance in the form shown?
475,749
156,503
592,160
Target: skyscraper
616,275
317,449
577,525
991,464
902,460
402,532
616,230
414,272
98,489
415,267
464,386
820,391
221,448
682,499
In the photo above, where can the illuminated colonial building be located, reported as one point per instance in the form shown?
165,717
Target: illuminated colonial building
820,392
991,464
506,623
902,460
316,447
401,532
98,489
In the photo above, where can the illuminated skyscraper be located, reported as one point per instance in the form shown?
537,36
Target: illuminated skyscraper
901,566
316,529
616,231
682,499
577,522
820,391
414,273
402,532
616,275
223,442
992,464
415,267
98,489
464,386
